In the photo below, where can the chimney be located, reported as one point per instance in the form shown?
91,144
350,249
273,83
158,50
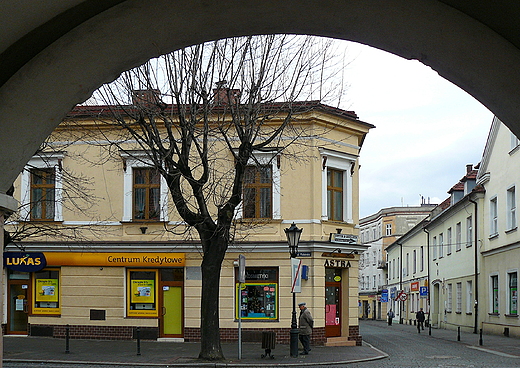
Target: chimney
148,98
224,95
469,167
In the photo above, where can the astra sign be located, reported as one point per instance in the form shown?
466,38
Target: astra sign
24,261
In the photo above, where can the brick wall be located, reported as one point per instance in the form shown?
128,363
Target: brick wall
353,332
255,334
95,332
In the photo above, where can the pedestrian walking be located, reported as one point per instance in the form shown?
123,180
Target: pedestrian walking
419,316
391,316
306,324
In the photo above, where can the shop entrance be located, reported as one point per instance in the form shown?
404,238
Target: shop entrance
18,294
171,302
333,302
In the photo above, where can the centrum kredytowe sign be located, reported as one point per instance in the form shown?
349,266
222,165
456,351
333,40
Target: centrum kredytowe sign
25,261
32,262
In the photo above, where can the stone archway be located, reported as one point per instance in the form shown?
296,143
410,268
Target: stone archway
82,57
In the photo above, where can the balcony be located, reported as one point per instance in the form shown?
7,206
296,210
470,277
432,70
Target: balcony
382,265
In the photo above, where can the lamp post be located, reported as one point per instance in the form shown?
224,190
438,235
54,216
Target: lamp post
293,237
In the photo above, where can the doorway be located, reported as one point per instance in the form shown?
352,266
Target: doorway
171,302
18,295
333,302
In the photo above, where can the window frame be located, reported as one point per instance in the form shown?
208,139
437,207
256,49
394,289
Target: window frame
42,161
262,283
448,241
494,292
449,298
148,185
511,208
334,188
469,231
458,307
265,159
258,185
388,229
512,292
458,236
469,297
140,160
342,162
493,217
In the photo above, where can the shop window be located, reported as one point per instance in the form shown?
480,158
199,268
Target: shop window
142,293
46,286
257,298
494,294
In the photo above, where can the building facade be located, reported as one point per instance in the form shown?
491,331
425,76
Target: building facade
126,261
377,232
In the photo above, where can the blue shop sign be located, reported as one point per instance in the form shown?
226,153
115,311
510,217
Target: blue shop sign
24,261
384,296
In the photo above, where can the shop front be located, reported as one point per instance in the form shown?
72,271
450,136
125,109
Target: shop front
95,295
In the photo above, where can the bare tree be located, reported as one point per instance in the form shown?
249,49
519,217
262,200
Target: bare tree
200,114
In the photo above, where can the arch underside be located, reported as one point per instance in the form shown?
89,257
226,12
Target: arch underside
76,60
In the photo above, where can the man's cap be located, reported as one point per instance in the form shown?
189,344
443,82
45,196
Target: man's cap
302,303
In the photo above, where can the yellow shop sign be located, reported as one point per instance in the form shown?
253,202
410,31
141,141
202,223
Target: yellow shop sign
116,259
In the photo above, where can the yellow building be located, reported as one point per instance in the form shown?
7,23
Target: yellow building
126,261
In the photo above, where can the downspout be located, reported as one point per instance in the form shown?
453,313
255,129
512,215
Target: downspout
428,275
475,327
401,303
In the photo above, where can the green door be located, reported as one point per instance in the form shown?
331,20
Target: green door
172,311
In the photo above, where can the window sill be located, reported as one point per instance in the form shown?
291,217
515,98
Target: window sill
458,312
448,311
493,314
511,315
512,230
493,236
469,313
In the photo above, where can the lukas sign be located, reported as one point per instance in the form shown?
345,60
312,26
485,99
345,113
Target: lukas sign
24,261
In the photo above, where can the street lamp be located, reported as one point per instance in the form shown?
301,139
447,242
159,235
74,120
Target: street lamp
293,237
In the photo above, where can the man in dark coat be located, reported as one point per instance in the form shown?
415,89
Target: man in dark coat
306,325
419,316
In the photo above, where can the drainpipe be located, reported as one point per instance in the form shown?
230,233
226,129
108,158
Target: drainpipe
401,303
428,275
475,327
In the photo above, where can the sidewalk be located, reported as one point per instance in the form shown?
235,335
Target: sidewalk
173,354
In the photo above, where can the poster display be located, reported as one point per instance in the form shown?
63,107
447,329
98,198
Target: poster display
46,290
142,291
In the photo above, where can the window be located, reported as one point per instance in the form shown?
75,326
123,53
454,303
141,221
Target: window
46,286
335,195
458,236
258,192
493,216
449,300
388,229
146,192
469,296
337,184
142,293
434,247
373,281
511,208
441,245
257,300
494,294
448,245
407,264
422,257
42,194
41,189
459,297
469,231
512,292
414,261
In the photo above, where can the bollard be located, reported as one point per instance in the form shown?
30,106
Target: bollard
429,329
138,336
458,333
67,339
480,339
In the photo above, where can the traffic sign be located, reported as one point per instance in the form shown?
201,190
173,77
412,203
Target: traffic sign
402,296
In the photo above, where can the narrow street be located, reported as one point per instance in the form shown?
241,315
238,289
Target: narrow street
407,348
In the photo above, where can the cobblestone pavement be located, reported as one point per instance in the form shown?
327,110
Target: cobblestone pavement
407,348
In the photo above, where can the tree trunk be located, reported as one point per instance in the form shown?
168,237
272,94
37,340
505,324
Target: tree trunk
210,348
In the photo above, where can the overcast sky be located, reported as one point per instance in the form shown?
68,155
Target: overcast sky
427,129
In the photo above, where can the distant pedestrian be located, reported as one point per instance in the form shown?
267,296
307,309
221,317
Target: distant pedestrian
306,325
419,316
391,316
